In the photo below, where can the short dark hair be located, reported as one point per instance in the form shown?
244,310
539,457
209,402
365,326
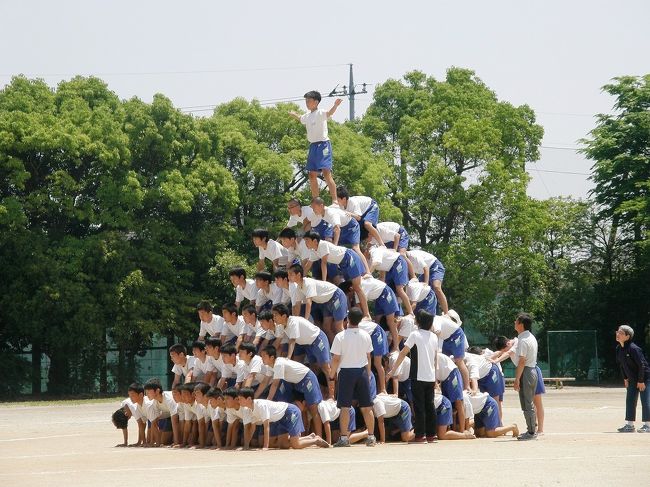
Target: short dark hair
248,347
287,233
230,392
314,95
297,269
265,276
424,319
345,286
214,392
271,351
136,387
230,307
312,236
203,387
265,315
200,344
204,306
262,233
237,271
342,192
281,273
178,348
355,315
213,342
318,200
526,320
282,309
250,309
475,349
120,419
246,392
153,384
228,349
500,342
294,201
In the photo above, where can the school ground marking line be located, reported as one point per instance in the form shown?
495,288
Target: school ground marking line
329,462
41,437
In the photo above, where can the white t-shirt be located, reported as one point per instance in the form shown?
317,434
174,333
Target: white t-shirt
427,348
275,294
300,252
407,326
383,258
403,372
328,411
274,250
264,410
372,288
213,328
358,204
388,231
477,401
420,260
353,345
263,334
202,368
306,213
249,291
200,411
527,347
334,253
368,326
136,412
336,216
289,370
168,405
216,414
244,369
301,330
318,291
445,325
478,365
444,367
228,371
185,369
386,406
234,329
233,414
316,124
417,291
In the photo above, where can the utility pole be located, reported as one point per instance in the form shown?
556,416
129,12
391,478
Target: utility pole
349,91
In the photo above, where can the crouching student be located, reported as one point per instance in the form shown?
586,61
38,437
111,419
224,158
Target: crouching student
398,412
217,412
279,419
421,296
486,417
249,367
485,376
444,418
162,413
190,425
451,384
120,418
330,414
234,416
454,341
299,377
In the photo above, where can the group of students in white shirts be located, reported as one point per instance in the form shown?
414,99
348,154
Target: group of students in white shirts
263,372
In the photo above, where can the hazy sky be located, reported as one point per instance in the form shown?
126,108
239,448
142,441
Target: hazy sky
552,55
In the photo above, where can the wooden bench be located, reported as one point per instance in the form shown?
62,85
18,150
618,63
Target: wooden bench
559,381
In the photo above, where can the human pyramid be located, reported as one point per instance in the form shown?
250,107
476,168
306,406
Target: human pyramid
354,352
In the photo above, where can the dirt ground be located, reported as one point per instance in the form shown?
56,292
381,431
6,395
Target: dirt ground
74,445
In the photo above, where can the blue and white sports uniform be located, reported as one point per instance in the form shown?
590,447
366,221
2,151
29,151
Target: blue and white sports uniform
320,148
364,207
444,412
385,301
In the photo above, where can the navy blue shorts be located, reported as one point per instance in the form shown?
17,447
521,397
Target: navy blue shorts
290,423
318,352
455,344
231,382
332,270
351,265
266,306
353,384
387,304
319,156
284,392
444,414
452,386
336,307
165,424
398,275
493,383
352,422
405,390
350,233
403,419
488,418
310,388
324,229
371,215
403,240
430,303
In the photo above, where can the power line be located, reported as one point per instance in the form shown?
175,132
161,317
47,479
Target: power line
574,149
561,172
207,71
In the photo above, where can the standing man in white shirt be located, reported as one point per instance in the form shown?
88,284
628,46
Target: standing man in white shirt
351,359
526,374
319,158
423,345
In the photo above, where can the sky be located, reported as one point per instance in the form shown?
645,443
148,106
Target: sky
554,55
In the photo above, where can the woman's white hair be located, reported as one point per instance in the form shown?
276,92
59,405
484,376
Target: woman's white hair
627,330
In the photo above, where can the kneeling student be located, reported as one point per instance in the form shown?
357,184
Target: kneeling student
398,412
444,417
486,417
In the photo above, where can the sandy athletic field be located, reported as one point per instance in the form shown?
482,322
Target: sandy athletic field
73,445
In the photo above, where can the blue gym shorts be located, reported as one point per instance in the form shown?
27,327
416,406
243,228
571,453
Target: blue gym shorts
403,418
319,156
324,229
444,414
452,386
336,307
351,265
353,384
310,388
398,275
455,344
379,342
387,304
350,233
371,215
488,418
318,351
290,423
436,272
430,303
493,383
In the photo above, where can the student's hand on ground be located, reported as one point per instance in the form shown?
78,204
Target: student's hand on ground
640,386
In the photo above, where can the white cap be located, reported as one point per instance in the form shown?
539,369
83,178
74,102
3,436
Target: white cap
454,316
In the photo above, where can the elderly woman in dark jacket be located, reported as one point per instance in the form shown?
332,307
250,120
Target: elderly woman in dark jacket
636,376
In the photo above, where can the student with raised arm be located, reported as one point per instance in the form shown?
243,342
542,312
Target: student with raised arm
319,158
